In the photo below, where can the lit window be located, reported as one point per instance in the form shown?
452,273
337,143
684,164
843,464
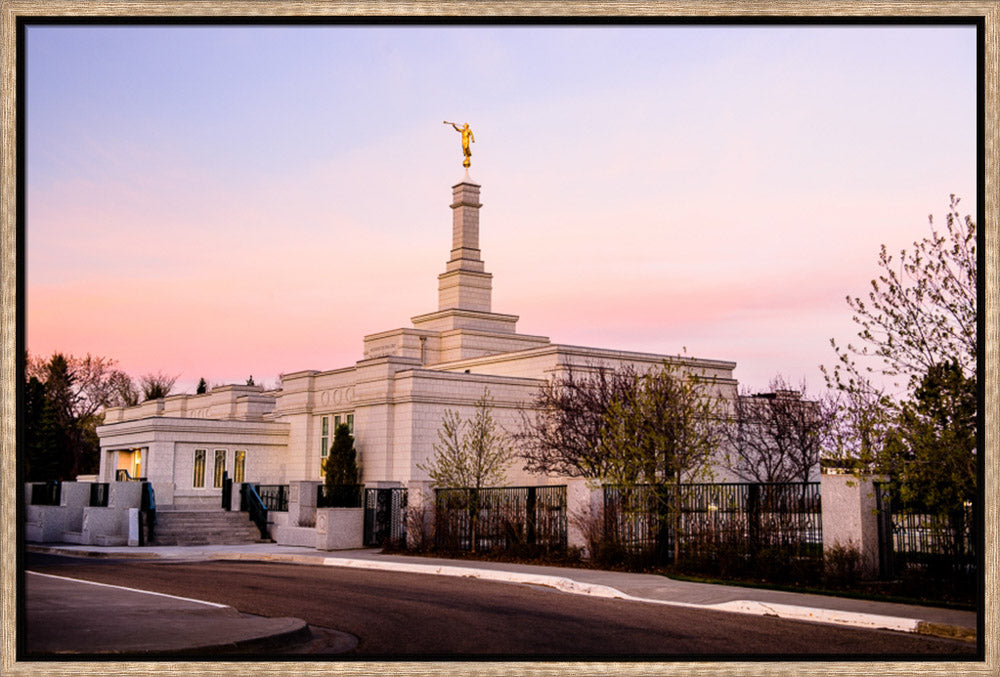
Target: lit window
220,468
199,468
239,466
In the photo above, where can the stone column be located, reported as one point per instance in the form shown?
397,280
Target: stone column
850,518
419,514
302,503
465,284
585,508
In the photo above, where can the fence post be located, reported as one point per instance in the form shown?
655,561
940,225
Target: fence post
850,517
753,517
530,510
585,513
883,504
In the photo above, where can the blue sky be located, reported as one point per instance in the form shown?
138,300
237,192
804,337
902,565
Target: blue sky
221,201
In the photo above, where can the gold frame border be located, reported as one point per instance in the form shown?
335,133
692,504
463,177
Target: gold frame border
10,10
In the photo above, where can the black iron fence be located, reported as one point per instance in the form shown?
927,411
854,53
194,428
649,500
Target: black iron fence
340,496
916,539
500,518
273,496
99,494
46,493
709,520
385,516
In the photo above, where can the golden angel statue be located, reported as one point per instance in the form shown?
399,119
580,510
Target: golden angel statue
467,138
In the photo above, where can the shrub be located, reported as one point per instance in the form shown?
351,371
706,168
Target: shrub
842,564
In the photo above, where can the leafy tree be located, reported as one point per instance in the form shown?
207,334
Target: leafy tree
930,454
202,387
663,431
920,313
777,436
562,429
156,386
919,323
470,454
341,465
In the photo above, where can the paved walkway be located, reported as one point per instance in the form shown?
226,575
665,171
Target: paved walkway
233,627
80,617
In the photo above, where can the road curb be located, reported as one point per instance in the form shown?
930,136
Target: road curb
749,607
297,633
70,552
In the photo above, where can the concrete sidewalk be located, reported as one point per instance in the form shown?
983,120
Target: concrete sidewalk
69,616
647,588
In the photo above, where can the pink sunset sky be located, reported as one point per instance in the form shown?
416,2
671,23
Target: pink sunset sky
224,201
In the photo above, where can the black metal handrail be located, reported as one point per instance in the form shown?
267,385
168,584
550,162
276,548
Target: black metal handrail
147,513
273,496
250,502
340,496
99,494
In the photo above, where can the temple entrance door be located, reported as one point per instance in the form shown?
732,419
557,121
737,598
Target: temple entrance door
131,461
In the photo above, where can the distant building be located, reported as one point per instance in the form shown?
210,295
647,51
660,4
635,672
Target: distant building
393,399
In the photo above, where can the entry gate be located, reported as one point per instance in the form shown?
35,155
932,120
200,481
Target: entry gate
883,506
385,516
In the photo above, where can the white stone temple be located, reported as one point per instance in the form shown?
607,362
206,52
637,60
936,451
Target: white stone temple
393,399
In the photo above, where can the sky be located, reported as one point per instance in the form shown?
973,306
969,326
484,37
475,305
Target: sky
235,201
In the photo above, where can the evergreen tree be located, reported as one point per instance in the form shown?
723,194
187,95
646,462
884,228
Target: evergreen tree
45,457
930,455
341,466
202,387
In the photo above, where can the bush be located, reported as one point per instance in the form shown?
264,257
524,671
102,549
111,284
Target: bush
842,564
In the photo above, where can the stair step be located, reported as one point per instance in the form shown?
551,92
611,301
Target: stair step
204,527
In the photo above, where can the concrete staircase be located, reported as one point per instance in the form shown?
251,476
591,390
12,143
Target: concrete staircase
204,527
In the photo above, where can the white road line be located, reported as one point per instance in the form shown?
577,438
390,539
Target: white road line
119,587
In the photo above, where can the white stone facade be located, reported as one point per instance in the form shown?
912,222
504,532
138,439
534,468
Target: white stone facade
397,394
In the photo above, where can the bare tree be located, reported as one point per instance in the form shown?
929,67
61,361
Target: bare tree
778,436
562,429
155,386
125,392
76,389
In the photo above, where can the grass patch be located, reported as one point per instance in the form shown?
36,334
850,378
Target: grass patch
878,591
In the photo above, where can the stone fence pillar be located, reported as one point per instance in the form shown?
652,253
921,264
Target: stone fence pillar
419,515
302,503
850,517
585,513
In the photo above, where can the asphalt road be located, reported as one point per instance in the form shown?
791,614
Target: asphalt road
397,615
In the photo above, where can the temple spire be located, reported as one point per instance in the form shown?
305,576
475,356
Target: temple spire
465,285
